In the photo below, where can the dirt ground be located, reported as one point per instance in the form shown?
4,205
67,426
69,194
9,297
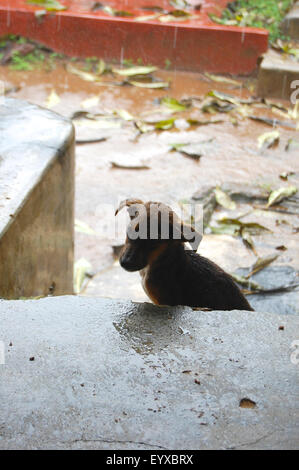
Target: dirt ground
233,156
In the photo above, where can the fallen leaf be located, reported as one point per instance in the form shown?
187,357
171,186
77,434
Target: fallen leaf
220,79
101,67
281,248
279,194
177,15
247,240
173,104
90,141
91,102
52,100
213,106
273,122
128,162
149,84
133,71
165,124
124,114
226,97
88,77
143,127
50,5
224,200
261,263
268,140
196,122
81,268
98,123
154,16
194,150
284,176
242,281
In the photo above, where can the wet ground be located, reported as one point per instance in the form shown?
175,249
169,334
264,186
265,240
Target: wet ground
232,156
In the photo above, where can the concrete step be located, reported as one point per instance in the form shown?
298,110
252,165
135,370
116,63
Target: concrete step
277,72
36,201
290,25
83,373
197,44
278,77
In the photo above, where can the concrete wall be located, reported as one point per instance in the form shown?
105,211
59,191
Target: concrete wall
37,196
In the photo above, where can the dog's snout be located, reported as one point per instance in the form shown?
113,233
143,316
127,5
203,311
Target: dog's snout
127,262
132,259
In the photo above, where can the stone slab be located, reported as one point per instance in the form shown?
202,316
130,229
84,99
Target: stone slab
110,374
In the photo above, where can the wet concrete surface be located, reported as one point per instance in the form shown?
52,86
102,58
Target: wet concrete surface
234,156
83,373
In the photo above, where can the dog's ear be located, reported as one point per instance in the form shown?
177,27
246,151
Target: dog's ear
128,203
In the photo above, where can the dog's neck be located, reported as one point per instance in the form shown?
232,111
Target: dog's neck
165,255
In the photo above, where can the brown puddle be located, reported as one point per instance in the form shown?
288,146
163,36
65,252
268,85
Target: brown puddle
234,156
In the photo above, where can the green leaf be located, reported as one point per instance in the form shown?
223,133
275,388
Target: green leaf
143,127
223,199
246,282
279,194
261,263
132,71
52,100
220,79
124,114
194,150
268,140
173,104
224,97
88,77
196,122
226,229
165,125
50,5
101,67
150,85
154,16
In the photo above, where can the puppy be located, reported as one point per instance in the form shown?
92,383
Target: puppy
171,274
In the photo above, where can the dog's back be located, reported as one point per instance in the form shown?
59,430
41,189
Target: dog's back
182,277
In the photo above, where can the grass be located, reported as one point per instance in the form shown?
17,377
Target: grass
39,57
266,14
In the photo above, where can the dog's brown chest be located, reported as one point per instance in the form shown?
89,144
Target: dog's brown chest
151,290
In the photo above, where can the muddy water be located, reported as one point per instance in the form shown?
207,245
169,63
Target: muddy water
234,156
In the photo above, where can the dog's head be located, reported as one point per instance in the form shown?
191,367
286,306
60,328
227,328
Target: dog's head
152,228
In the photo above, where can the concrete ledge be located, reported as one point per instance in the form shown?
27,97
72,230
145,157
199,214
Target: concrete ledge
276,74
290,24
196,45
85,373
36,201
